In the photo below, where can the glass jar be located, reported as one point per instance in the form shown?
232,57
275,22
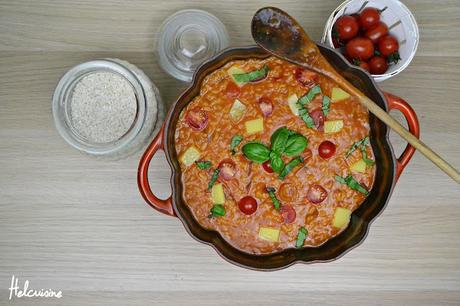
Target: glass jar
147,112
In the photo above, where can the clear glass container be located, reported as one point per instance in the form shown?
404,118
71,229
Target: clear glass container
186,39
148,109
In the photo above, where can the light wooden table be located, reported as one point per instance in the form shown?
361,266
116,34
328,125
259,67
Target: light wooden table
76,224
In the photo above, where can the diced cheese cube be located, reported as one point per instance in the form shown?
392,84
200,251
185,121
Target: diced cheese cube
190,156
270,234
236,70
217,194
341,217
339,94
333,126
237,111
292,102
359,166
254,126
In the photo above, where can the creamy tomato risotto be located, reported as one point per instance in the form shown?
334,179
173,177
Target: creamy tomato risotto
273,156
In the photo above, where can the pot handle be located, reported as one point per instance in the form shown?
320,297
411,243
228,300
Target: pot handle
395,102
163,206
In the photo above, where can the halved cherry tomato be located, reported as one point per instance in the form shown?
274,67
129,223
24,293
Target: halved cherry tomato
197,119
288,192
288,213
361,48
318,117
247,205
266,106
369,17
388,45
378,65
346,28
377,32
306,77
316,194
227,169
326,149
232,90
267,167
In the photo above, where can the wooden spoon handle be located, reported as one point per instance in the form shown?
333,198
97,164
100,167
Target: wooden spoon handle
414,141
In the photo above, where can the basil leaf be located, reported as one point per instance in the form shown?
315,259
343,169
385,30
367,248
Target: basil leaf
256,152
279,139
276,202
303,113
251,76
353,148
307,98
295,145
204,164
291,165
236,140
213,179
326,105
276,163
340,179
352,183
368,161
301,236
218,210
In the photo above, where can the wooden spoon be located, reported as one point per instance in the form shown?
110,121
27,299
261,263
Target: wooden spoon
280,34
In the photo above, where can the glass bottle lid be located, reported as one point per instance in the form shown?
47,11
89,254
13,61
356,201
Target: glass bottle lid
186,39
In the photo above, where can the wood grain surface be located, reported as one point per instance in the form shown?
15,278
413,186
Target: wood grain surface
77,224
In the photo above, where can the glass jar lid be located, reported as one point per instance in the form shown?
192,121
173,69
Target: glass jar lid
186,39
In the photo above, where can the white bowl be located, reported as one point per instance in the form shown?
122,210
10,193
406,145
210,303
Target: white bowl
400,21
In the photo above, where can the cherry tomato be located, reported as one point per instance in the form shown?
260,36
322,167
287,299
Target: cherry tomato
388,45
318,117
369,17
306,77
377,32
247,205
288,213
227,169
378,65
364,65
361,48
197,119
316,194
326,149
288,192
266,106
346,28
357,18
267,167
232,90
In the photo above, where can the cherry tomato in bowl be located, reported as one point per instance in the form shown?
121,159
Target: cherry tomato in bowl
326,149
247,205
345,28
376,32
378,65
360,48
369,17
389,46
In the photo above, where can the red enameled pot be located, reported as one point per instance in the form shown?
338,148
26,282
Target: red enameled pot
389,169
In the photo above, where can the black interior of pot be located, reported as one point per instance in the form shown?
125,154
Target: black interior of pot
332,249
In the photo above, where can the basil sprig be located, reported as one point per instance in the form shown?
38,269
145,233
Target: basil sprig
326,105
251,76
218,210
352,183
236,140
213,179
291,165
276,202
304,100
363,143
301,236
203,164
